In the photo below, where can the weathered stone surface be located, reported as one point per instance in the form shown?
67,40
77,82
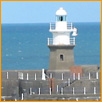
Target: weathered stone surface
57,63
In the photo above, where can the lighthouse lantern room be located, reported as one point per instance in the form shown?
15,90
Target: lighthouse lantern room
61,30
62,44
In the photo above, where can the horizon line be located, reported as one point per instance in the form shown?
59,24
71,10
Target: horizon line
50,22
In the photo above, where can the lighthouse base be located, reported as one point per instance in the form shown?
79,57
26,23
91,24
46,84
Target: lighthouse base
61,57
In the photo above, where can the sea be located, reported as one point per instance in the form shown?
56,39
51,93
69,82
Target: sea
24,46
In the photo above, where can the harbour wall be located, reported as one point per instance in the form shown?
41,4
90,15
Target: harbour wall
14,84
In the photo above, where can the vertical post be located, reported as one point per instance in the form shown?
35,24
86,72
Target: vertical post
73,40
27,76
48,41
30,91
43,75
94,90
50,26
78,76
73,76
52,41
61,91
39,91
84,90
71,25
62,76
50,75
89,76
4,99
22,97
97,99
77,99
96,75
57,88
21,75
73,91
7,75
50,91
68,81
35,76
15,99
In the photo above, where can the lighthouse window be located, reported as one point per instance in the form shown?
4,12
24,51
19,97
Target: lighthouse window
61,57
64,18
61,18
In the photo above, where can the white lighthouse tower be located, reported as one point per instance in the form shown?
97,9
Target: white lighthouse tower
61,45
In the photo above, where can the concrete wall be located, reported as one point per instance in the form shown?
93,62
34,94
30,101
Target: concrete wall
64,98
13,74
12,88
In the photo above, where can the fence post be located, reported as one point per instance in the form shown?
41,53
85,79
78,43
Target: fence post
30,91
62,76
94,90
22,76
35,76
39,91
89,76
22,96
84,90
61,91
50,91
27,76
96,75
57,88
43,75
7,75
73,91
73,76
78,76
68,81
48,41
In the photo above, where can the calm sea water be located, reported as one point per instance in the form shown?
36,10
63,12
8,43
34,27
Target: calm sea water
24,46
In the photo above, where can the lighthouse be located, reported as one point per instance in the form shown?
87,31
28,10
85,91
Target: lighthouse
62,42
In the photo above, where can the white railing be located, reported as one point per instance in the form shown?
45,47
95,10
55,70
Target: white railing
72,41
50,41
69,26
63,91
53,26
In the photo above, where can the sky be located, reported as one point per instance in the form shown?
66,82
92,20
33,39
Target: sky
44,11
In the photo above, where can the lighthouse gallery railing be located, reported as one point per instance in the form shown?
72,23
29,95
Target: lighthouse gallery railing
53,26
72,41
